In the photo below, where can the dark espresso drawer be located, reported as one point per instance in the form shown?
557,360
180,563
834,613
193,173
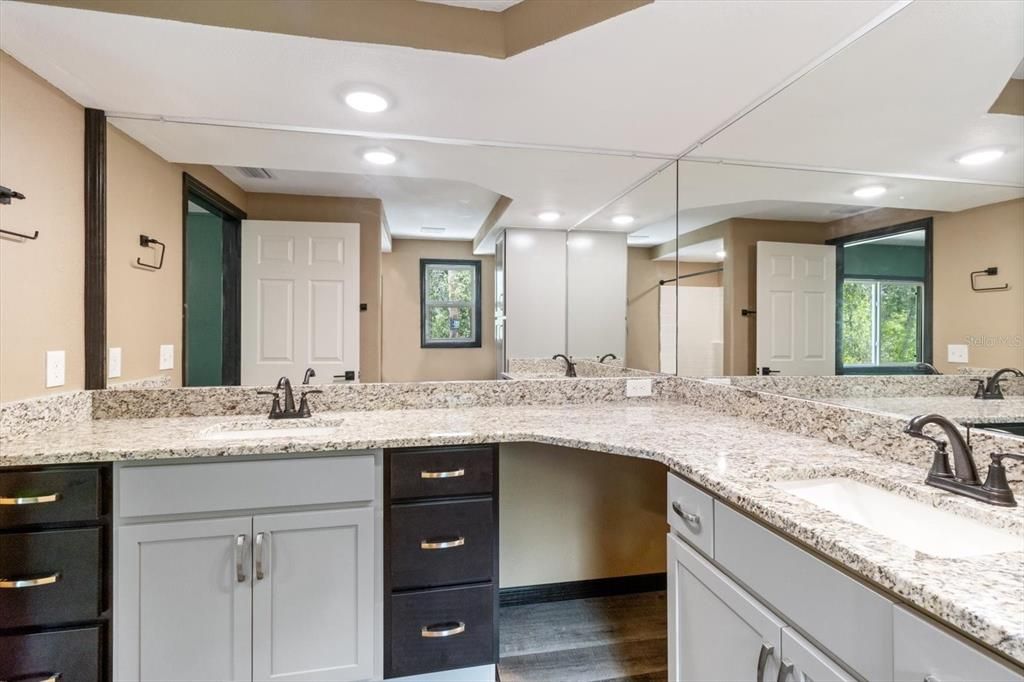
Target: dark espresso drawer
442,472
441,629
55,495
64,655
441,543
50,577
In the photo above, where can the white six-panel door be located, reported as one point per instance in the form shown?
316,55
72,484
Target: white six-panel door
300,300
796,308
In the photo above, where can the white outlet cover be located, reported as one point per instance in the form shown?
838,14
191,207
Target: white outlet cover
638,388
956,352
55,367
167,356
114,363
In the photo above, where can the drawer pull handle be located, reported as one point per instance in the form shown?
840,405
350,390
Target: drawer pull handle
259,556
239,554
785,670
21,583
36,499
40,677
443,544
691,519
443,629
454,473
762,660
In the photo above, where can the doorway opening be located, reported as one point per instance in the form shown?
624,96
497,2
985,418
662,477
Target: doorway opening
211,287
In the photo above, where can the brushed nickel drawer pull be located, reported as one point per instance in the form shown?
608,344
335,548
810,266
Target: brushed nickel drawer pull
689,517
239,555
259,555
443,544
21,583
454,473
34,499
443,629
762,660
44,677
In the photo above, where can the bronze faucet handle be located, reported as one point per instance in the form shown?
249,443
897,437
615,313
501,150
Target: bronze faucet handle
304,402
996,484
275,407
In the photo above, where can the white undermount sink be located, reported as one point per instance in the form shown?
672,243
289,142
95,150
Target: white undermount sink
914,524
262,429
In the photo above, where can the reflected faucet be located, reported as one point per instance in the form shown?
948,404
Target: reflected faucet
927,368
570,366
991,389
606,356
310,373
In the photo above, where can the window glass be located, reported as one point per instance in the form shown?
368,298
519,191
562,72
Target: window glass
450,292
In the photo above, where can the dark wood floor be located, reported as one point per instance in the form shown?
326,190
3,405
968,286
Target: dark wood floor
605,639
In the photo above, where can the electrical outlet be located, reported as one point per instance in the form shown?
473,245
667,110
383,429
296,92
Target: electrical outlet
55,366
167,356
638,388
956,352
114,363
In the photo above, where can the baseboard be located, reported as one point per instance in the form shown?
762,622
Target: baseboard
581,589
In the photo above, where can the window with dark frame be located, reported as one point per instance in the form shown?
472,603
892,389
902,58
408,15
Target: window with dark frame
449,303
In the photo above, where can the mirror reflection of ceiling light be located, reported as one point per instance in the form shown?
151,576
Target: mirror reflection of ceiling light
380,157
720,255
549,216
869,192
433,230
366,102
623,219
980,157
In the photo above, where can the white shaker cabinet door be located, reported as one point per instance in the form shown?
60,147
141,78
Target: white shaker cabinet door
925,651
313,614
803,662
184,601
716,631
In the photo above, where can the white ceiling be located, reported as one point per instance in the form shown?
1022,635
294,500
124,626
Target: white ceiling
909,97
704,252
488,5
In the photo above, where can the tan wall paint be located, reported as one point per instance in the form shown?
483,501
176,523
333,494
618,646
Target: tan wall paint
571,514
402,358
144,306
42,281
991,323
366,212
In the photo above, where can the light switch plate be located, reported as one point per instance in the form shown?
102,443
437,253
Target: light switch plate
114,363
55,366
167,356
956,352
638,388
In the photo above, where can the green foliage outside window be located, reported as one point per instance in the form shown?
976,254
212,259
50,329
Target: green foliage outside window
450,304
881,322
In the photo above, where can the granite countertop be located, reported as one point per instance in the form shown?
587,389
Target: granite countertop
964,409
734,458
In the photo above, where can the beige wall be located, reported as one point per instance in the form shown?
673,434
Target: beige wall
144,307
42,281
992,324
577,515
402,358
366,212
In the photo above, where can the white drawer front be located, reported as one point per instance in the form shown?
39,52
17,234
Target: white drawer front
691,514
254,484
850,619
926,651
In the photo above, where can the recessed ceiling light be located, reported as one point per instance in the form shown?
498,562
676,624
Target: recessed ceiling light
720,255
980,157
869,192
549,216
366,102
432,230
640,236
623,219
380,157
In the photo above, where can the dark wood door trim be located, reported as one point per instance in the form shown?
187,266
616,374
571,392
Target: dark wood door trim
95,249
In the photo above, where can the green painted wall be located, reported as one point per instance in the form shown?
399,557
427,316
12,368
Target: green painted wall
204,319
884,260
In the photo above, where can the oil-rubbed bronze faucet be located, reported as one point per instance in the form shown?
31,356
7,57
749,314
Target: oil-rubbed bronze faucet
963,480
606,356
289,411
570,366
991,389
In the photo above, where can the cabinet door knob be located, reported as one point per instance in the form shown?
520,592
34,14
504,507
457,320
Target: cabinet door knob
33,499
443,629
239,554
22,583
443,543
689,517
259,555
454,473
762,660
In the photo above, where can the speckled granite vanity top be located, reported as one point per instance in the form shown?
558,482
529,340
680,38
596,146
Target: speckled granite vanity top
735,458
964,409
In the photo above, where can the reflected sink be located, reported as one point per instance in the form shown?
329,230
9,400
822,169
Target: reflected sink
911,523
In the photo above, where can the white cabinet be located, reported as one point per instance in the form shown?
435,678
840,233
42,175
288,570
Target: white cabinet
185,608
716,631
312,596
925,651
802,662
